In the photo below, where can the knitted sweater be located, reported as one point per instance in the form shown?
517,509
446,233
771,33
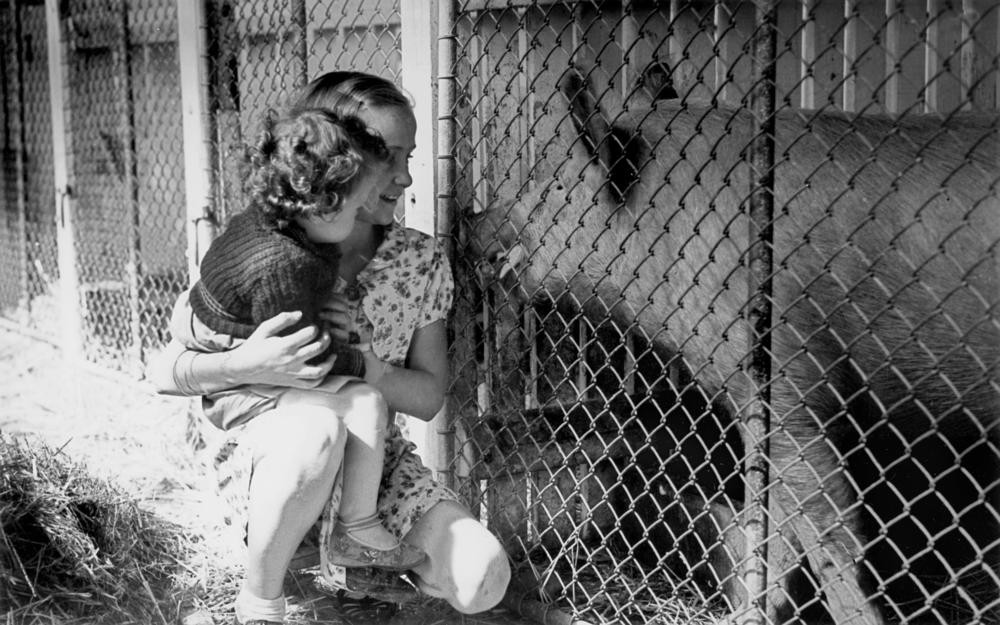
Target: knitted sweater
254,270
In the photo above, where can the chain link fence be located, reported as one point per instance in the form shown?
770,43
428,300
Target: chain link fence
265,50
737,332
29,250
727,326
124,151
122,121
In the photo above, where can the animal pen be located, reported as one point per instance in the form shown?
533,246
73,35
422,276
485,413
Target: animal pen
590,423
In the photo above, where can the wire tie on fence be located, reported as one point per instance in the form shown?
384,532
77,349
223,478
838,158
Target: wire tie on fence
207,214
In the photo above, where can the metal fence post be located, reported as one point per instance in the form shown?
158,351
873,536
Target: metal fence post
443,428
756,415
192,36
70,312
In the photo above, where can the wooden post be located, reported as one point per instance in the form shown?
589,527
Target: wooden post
932,60
416,24
850,55
674,43
130,197
629,41
479,66
967,47
893,26
527,161
525,52
723,20
201,224
417,27
70,314
807,90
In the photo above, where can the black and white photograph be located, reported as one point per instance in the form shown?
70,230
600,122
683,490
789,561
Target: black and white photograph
500,312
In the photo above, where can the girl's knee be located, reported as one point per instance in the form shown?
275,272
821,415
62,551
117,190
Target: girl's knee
481,590
482,582
366,403
310,436
467,566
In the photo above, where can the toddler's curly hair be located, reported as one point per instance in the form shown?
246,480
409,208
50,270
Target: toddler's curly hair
305,162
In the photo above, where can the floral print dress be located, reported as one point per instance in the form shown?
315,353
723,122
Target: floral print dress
406,286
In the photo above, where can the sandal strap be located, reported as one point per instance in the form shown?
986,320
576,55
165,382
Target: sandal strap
360,524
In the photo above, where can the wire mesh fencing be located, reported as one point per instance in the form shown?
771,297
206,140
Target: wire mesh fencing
124,151
122,137
29,251
266,50
614,161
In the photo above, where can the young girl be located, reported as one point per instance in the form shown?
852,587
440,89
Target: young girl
309,174
403,290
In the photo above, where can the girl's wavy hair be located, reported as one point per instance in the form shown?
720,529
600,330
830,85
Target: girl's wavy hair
348,92
306,162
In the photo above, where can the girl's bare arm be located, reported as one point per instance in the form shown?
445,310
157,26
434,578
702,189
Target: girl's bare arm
265,357
419,388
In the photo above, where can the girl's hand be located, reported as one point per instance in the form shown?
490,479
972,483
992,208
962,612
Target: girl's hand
336,312
266,357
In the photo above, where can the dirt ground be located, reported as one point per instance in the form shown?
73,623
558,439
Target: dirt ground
125,433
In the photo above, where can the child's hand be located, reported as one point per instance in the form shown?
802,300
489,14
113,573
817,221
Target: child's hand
337,314
266,357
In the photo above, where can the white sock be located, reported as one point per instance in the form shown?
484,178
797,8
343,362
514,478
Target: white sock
249,606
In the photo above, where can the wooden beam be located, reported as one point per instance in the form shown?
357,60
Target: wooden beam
70,312
417,53
807,86
849,85
193,59
932,58
893,28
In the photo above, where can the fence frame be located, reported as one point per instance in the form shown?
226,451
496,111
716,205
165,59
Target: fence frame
69,278
756,415
197,124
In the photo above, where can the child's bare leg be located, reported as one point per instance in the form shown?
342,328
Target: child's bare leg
366,417
298,448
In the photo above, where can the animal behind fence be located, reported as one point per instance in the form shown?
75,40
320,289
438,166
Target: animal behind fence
885,390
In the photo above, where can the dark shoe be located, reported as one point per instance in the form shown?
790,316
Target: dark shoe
307,554
306,557
380,584
364,610
346,550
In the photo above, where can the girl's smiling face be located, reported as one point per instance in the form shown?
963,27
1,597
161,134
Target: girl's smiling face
398,128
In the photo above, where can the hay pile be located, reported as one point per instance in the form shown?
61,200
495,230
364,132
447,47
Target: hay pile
75,548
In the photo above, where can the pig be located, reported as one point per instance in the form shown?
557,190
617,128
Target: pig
885,288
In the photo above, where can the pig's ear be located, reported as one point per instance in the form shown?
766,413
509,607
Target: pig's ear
613,151
592,128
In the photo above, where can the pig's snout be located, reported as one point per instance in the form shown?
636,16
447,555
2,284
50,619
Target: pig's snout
494,240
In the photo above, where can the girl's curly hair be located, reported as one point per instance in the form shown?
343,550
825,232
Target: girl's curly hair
306,162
